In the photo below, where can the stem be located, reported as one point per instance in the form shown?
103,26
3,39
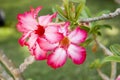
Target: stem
106,50
103,17
10,66
4,75
113,64
29,60
113,70
117,1
102,75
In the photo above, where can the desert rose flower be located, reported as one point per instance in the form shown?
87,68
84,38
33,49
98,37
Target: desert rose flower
69,47
118,78
37,30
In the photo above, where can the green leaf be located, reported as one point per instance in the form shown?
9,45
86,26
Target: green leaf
85,13
87,42
77,1
85,28
96,64
103,26
72,11
96,28
99,33
115,49
111,58
61,13
67,9
79,10
103,12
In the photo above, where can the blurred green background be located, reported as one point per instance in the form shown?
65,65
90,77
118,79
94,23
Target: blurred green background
39,70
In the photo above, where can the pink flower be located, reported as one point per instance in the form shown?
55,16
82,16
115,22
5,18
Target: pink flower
69,47
38,30
118,78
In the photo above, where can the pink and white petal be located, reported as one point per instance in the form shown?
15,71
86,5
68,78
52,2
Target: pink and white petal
76,53
22,40
52,34
44,20
51,29
45,45
35,11
20,28
57,58
27,20
54,37
31,41
77,36
118,78
64,28
39,53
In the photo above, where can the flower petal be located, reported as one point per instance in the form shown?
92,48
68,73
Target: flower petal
76,53
52,34
22,40
64,28
35,11
77,36
44,20
31,41
20,28
44,44
118,78
52,29
26,21
57,59
39,53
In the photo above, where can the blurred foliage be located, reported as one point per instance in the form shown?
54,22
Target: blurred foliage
115,49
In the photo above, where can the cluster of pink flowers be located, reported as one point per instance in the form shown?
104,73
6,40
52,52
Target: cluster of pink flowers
51,41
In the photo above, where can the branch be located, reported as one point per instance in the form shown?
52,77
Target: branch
117,1
103,17
4,75
29,60
106,50
102,75
113,64
113,70
10,66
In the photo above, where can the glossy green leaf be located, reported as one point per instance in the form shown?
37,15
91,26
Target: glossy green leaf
85,13
61,13
115,49
111,58
85,28
67,9
103,26
79,10
95,29
72,11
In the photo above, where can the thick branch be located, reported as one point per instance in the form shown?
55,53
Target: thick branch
4,75
103,17
10,66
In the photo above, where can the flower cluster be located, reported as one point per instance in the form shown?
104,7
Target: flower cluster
51,41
